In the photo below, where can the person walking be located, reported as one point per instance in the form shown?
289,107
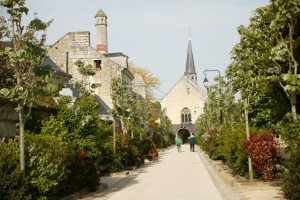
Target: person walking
192,141
178,142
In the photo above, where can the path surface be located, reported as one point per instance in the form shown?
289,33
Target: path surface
176,176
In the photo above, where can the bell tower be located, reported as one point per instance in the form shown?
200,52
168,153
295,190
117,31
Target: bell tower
101,31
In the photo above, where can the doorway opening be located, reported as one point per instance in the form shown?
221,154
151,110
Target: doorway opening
184,134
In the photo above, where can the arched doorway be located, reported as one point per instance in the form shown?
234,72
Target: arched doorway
184,133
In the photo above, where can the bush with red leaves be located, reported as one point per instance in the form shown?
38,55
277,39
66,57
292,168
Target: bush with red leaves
263,151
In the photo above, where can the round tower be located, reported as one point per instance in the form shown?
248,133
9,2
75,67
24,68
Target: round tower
101,31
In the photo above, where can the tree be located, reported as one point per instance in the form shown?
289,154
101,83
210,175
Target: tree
132,109
24,57
151,81
285,53
254,49
166,130
216,109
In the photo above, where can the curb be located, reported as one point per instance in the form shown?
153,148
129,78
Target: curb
247,190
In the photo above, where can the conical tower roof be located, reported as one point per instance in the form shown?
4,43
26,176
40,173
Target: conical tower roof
100,13
190,66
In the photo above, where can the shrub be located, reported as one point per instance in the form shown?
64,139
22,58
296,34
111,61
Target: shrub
46,166
233,149
263,151
289,129
12,184
137,150
291,187
215,145
203,141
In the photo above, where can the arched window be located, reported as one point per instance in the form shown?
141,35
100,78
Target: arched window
186,115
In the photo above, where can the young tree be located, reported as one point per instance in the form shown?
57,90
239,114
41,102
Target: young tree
24,56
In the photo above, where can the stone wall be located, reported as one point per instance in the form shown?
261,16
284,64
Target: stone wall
8,120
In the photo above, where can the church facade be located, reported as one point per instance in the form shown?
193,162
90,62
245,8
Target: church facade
184,103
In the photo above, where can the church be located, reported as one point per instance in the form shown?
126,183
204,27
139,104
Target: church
184,103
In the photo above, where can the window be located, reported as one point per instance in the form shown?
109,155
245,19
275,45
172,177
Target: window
188,91
186,115
98,65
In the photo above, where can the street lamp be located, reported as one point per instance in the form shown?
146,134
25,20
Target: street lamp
205,81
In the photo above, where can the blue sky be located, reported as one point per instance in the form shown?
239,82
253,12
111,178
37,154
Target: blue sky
154,34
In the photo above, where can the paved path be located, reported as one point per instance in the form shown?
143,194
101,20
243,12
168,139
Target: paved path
176,176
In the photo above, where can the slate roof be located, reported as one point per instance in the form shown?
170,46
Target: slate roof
190,66
117,54
100,13
54,67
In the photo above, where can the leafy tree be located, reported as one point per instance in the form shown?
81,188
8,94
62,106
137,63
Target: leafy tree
130,107
24,57
218,107
285,54
252,58
123,100
151,81
166,130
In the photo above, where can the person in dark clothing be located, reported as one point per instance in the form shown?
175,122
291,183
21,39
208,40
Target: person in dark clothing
192,141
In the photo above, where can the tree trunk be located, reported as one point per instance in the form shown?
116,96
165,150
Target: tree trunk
114,136
246,105
22,143
293,104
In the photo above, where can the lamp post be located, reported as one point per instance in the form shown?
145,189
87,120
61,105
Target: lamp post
205,82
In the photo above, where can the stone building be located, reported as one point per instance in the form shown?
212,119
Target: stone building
185,101
76,46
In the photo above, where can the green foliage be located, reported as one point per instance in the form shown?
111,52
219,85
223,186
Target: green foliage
84,85
12,184
56,128
250,70
291,187
84,70
23,58
47,165
78,127
233,150
289,129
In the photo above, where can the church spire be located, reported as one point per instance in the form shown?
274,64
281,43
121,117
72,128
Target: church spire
190,66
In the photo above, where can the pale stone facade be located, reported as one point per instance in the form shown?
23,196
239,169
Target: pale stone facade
138,85
184,103
76,46
185,94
